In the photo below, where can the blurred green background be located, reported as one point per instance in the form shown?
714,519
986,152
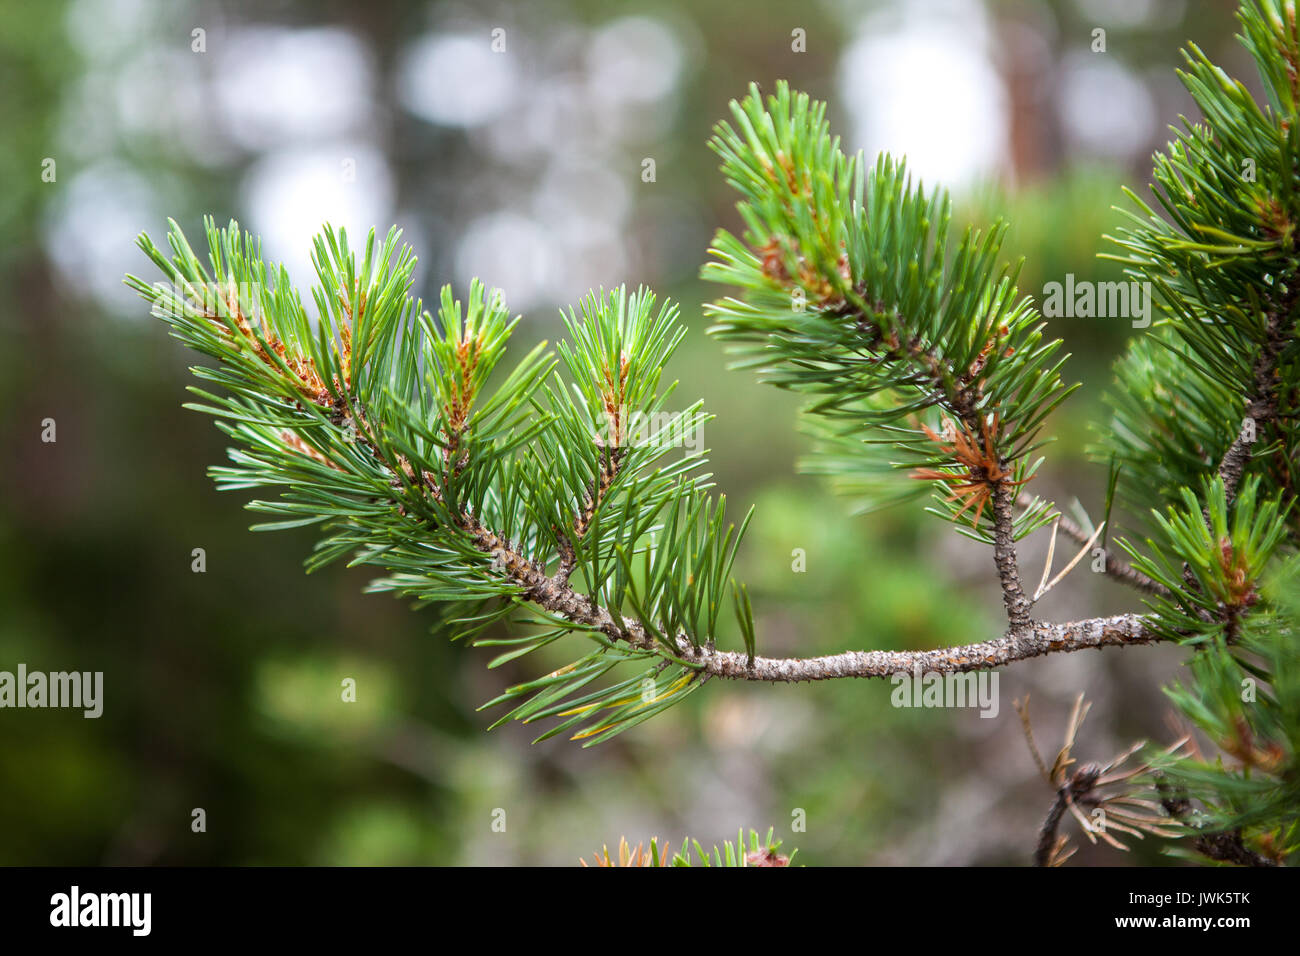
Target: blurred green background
525,167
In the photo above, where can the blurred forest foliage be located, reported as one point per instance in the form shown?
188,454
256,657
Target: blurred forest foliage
222,688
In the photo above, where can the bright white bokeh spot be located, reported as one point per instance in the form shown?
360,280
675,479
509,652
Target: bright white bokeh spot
919,84
511,252
456,80
292,193
91,229
278,85
1091,85
635,59
553,114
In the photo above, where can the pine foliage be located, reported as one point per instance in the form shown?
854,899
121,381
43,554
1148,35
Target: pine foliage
381,424
919,352
1205,434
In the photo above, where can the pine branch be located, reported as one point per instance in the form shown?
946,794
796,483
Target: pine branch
1262,402
374,420
1004,556
1035,640
439,497
853,295
924,354
1024,641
